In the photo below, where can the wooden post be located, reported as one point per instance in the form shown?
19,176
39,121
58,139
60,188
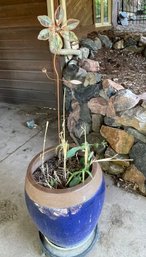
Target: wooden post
66,42
63,3
102,12
109,11
50,8
115,4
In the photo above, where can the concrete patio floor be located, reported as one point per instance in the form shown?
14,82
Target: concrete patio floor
123,221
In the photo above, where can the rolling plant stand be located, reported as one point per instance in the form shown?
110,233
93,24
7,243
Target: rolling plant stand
51,250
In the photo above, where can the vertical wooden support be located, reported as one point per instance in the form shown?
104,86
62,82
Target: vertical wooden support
51,5
50,8
102,12
94,12
66,41
109,11
63,3
115,7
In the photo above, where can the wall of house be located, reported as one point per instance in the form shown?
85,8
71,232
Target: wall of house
85,12
82,10
22,55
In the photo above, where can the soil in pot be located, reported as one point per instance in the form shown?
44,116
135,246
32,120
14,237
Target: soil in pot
52,172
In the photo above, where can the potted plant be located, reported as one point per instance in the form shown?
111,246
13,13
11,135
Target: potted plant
64,189
66,210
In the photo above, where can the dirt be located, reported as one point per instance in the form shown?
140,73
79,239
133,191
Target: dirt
127,186
40,115
51,175
126,68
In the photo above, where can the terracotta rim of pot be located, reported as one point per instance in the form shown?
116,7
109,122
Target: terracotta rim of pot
61,198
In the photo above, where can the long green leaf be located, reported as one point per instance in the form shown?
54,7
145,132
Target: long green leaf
45,21
75,181
74,174
73,151
44,34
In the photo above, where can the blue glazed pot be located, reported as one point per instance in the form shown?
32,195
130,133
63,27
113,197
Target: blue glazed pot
65,216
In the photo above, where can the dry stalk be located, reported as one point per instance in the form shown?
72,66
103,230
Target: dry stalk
65,143
58,96
86,147
57,177
112,159
44,145
43,156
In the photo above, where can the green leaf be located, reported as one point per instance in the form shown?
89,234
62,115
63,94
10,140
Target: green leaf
96,145
72,37
44,34
84,146
45,21
55,42
59,15
82,160
89,173
73,174
52,182
75,181
90,156
71,24
73,151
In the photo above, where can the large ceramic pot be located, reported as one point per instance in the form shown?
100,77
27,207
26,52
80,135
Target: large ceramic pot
66,217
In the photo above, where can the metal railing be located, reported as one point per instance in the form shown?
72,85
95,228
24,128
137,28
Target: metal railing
135,9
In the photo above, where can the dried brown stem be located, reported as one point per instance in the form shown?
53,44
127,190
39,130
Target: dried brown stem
58,96
43,155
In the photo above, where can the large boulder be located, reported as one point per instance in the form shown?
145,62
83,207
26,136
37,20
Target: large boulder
118,139
105,41
132,174
138,154
89,43
135,118
98,105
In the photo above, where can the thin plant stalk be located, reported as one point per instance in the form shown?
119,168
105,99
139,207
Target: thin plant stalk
44,145
112,159
85,155
43,155
58,96
65,147
86,148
